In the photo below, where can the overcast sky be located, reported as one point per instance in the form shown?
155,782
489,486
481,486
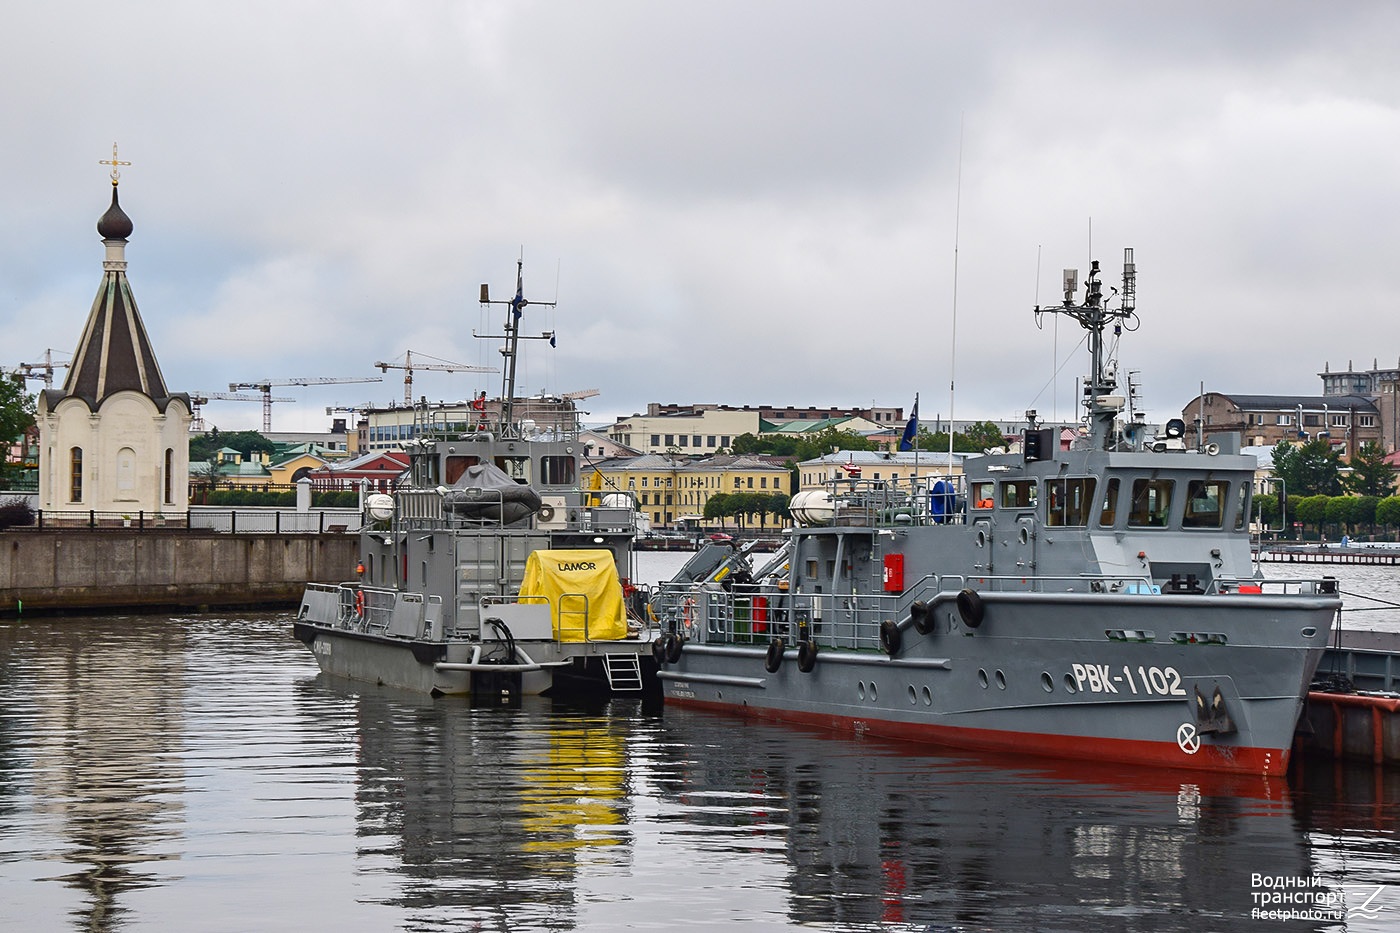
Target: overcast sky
749,202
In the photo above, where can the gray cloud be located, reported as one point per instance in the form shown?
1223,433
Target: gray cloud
739,202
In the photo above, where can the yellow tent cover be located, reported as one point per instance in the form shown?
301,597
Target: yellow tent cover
584,594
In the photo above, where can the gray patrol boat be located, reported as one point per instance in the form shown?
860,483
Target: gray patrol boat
488,570
1098,602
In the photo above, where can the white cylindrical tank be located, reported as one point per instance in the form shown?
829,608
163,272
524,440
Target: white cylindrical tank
812,507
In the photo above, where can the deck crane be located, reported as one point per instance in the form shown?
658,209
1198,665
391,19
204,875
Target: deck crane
265,387
408,366
199,398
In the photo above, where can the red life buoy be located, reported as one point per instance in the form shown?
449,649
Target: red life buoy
360,603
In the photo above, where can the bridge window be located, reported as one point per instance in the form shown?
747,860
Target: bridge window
1152,503
557,471
1018,494
982,495
1205,503
1069,501
1108,515
456,466
1242,510
517,468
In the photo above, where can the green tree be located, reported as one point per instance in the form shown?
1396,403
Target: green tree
1266,508
977,439
205,446
16,414
1364,512
1371,475
1341,511
1311,510
778,505
1388,512
719,507
1311,469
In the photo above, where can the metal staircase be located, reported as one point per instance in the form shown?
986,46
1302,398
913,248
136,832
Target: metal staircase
624,672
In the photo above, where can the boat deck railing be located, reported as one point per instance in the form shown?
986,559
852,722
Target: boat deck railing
900,502
756,613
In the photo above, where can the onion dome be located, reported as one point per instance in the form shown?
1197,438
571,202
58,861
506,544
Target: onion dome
114,225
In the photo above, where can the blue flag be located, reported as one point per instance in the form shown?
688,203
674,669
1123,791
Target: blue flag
911,429
518,303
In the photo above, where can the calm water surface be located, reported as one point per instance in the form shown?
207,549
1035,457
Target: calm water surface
197,773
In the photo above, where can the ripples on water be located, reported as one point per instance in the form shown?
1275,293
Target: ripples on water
197,774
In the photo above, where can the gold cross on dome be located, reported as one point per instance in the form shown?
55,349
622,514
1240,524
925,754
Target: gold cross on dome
114,162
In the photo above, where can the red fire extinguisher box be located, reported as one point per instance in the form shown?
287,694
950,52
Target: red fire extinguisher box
894,573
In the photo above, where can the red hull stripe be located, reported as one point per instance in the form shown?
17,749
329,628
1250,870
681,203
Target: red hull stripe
1233,759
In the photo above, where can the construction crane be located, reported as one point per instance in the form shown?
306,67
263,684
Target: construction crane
408,366
42,370
199,398
265,387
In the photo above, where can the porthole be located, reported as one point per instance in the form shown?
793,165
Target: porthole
1071,684
1047,682
982,677
860,690
928,697
981,538
913,696
874,693
1309,632
1025,536
1001,680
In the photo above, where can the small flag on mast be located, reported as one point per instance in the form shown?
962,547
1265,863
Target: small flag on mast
912,428
518,303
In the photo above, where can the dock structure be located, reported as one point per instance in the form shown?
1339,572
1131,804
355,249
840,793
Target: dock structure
1362,556
1361,725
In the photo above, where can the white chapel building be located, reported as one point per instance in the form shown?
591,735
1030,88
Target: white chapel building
114,439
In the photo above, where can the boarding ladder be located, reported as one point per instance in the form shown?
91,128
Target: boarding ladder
624,672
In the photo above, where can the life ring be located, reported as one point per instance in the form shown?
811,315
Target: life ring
890,637
806,655
970,607
774,660
922,616
688,614
360,603
673,649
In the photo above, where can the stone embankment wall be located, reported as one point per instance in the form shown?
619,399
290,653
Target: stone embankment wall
96,570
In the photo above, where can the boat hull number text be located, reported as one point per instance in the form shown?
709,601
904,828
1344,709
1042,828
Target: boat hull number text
1132,681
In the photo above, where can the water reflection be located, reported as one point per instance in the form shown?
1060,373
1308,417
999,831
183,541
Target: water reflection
89,758
482,813
154,772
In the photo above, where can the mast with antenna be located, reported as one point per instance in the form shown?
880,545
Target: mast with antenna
1101,401
512,337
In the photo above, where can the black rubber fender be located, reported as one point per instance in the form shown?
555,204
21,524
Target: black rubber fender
658,650
774,658
673,648
922,615
890,637
970,607
806,655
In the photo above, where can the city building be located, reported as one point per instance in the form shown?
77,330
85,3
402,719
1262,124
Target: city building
702,429
1381,386
114,438
1347,421
896,467
669,489
391,427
